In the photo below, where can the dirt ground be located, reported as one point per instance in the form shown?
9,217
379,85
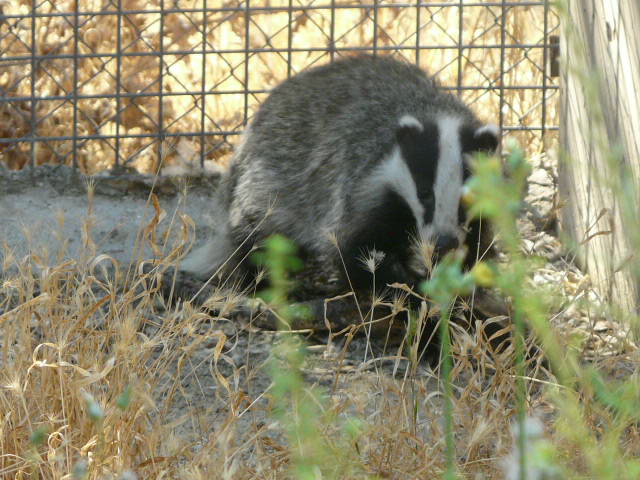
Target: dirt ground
51,204
45,211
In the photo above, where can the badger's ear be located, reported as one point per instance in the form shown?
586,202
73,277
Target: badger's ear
409,127
485,139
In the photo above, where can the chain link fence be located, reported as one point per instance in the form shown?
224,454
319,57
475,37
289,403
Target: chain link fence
103,83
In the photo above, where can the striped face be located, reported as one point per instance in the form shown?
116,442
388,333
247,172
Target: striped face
428,169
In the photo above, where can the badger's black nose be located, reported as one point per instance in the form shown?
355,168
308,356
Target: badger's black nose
445,243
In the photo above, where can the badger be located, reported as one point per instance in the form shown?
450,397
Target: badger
365,155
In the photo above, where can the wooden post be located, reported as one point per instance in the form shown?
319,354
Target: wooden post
592,215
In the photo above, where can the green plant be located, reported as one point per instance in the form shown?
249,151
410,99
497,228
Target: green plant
302,409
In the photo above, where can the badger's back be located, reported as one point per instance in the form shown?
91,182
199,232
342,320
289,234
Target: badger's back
317,138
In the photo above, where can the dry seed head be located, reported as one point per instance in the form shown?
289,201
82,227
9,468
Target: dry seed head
372,259
333,239
260,275
13,385
399,302
423,254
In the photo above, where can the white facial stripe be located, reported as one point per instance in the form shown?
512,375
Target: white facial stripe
394,172
410,121
448,184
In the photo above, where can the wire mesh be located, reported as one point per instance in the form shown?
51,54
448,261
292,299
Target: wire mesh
105,83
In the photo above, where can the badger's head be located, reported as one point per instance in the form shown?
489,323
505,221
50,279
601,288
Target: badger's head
431,164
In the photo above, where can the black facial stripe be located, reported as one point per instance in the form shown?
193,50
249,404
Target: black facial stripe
387,227
420,149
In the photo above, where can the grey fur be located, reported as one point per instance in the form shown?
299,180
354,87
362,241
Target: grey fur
304,166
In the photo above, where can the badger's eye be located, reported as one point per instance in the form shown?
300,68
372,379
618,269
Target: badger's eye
428,200
466,167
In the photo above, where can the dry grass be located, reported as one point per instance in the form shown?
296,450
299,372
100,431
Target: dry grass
140,72
98,378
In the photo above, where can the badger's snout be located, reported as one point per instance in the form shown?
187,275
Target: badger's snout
427,250
444,244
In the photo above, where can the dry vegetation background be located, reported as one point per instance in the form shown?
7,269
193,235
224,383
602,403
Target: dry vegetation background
210,76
